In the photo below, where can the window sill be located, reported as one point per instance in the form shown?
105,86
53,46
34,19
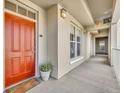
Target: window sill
76,60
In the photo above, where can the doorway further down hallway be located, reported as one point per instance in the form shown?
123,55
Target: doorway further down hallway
92,76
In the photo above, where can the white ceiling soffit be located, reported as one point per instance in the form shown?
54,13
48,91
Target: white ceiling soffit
94,32
45,3
77,8
98,27
100,8
80,10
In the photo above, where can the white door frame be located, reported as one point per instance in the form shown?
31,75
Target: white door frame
36,46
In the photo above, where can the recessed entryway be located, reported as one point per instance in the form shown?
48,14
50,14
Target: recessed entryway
102,45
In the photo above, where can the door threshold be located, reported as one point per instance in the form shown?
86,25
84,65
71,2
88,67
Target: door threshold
24,87
19,83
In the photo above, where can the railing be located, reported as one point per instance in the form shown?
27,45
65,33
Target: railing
115,59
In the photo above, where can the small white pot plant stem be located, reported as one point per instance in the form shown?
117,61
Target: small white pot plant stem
45,70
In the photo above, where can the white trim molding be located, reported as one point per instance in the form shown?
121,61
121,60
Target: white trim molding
76,60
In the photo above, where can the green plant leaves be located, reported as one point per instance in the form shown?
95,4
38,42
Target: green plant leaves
46,67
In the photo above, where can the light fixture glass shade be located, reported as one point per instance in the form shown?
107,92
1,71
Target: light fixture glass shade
63,13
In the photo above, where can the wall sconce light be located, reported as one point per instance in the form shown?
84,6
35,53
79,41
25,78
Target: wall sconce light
63,13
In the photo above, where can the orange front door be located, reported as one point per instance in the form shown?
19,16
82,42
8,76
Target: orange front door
19,49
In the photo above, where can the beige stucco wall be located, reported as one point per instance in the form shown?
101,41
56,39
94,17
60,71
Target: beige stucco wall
89,44
53,39
115,49
59,46
115,40
64,29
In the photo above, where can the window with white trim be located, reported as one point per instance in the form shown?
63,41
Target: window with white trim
72,43
78,46
17,7
75,43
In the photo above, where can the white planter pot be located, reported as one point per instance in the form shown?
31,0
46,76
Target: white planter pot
45,75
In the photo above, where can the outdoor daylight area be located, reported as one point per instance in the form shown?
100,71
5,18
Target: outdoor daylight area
60,46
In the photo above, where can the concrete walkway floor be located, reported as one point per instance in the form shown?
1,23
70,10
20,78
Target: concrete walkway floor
92,76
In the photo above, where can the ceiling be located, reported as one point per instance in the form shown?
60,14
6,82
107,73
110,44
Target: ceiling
100,8
77,8
45,3
80,10
85,11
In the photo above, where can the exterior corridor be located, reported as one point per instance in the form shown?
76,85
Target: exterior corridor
92,76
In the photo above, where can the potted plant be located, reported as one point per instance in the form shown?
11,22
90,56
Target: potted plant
45,70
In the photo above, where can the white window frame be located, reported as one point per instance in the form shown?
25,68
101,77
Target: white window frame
78,42
76,58
72,41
